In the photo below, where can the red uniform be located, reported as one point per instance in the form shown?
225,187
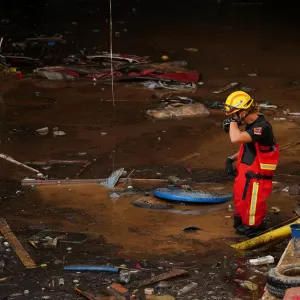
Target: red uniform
253,183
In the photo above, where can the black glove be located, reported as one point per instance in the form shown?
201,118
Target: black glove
227,122
229,167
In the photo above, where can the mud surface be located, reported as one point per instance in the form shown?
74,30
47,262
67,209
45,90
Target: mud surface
232,42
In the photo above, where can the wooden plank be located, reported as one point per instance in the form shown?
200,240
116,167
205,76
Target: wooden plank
87,294
16,245
162,277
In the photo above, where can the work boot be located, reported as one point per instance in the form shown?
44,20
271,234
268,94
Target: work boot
250,231
237,221
240,229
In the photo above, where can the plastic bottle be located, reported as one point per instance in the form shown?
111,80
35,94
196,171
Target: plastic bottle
262,260
187,288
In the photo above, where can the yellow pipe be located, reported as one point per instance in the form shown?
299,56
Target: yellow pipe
284,231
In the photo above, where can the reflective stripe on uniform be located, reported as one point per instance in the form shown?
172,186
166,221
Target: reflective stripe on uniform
253,203
270,167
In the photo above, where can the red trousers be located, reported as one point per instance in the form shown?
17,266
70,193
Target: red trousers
252,209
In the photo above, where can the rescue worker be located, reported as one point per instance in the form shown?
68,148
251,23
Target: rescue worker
256,162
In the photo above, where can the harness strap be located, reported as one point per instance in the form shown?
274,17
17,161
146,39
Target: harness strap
250,175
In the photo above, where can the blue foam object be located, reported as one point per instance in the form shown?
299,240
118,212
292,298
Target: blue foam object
196,196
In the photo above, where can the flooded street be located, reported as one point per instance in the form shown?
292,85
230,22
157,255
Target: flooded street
109,128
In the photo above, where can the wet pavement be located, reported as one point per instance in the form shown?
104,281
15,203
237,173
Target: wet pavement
232,42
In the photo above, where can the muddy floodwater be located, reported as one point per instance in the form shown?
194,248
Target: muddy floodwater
252,44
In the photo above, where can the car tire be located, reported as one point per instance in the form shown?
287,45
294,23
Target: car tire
278,282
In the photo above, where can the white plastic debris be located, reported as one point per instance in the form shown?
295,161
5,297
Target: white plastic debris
58,133
61,281
263,105
286,189
43,131
149,291
262,260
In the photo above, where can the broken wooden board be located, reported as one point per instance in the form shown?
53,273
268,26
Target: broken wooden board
16,245
164,297
87,294
161,277
118,291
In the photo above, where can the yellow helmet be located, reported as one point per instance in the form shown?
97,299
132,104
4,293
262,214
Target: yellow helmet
236,101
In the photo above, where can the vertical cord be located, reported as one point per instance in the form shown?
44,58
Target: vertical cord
112,80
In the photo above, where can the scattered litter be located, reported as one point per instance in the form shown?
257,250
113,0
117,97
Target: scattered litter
279,119
149,291
161,277
103,133
275,210
294,190
58,133
174,180
191,49
51,243
61,281
125,276
26,293
262,260
188,288
6,244
227,87
252,74
185,111
112,180
164,284
191,229
267,106
76,281
286,189
165,57
43,131
247,284
293,114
